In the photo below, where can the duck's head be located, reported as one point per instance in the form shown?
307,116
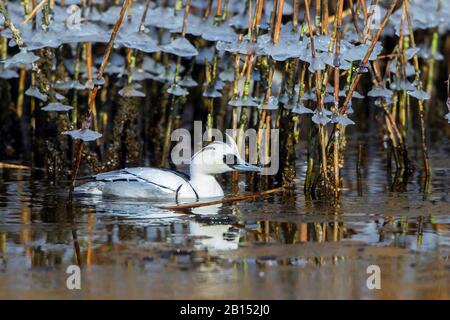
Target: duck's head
219,157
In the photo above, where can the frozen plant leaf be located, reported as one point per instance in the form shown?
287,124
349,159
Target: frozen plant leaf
90,84
271,104
411,52
83,134
243,102
219,33
180,47
334,60
329,98
57,107
301,109
309,96
211,92
380,92
349,109
402,85
285,98
227,75
344,121
8,74
219,85
188,82
130,91
419,95
284,49
59,96
316,64
243,47
34,92
140,74
357,53
21,59
177,90
320,118
139,41
357,95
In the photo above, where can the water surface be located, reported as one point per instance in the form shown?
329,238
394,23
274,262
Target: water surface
276,247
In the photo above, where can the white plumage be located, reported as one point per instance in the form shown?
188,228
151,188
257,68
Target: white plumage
160,183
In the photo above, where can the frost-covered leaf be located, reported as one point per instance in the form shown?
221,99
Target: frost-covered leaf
358,53
299,108
211,92
21,59
219,33
83,134
8,74
380,92
177,90
320,118
243,102
138,40
129,92
227,75
59,96
411,52
402,85
188,82
271,104
343,120
34,92
57,107
419,95
180,47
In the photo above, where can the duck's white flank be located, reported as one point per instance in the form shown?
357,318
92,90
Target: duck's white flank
155,183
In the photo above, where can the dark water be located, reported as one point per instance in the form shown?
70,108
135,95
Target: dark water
280,246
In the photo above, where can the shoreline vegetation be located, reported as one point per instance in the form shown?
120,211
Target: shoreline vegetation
101,85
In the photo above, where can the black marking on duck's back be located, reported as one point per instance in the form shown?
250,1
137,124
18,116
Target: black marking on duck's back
184,176
151,182
178,173
124,180
114,176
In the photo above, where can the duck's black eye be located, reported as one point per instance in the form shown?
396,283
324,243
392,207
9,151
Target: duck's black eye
230,160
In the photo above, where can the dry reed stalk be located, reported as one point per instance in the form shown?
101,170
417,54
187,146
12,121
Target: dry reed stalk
106,57
219,9
257,20
276,34
226,200
34,11
337,35
367,56
426,161
318,93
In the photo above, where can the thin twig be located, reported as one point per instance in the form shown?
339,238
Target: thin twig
35,10
226,200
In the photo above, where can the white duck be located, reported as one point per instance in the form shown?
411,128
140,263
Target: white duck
161,183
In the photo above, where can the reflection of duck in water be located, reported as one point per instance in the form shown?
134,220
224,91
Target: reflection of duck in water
208,229
213,235
156,183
